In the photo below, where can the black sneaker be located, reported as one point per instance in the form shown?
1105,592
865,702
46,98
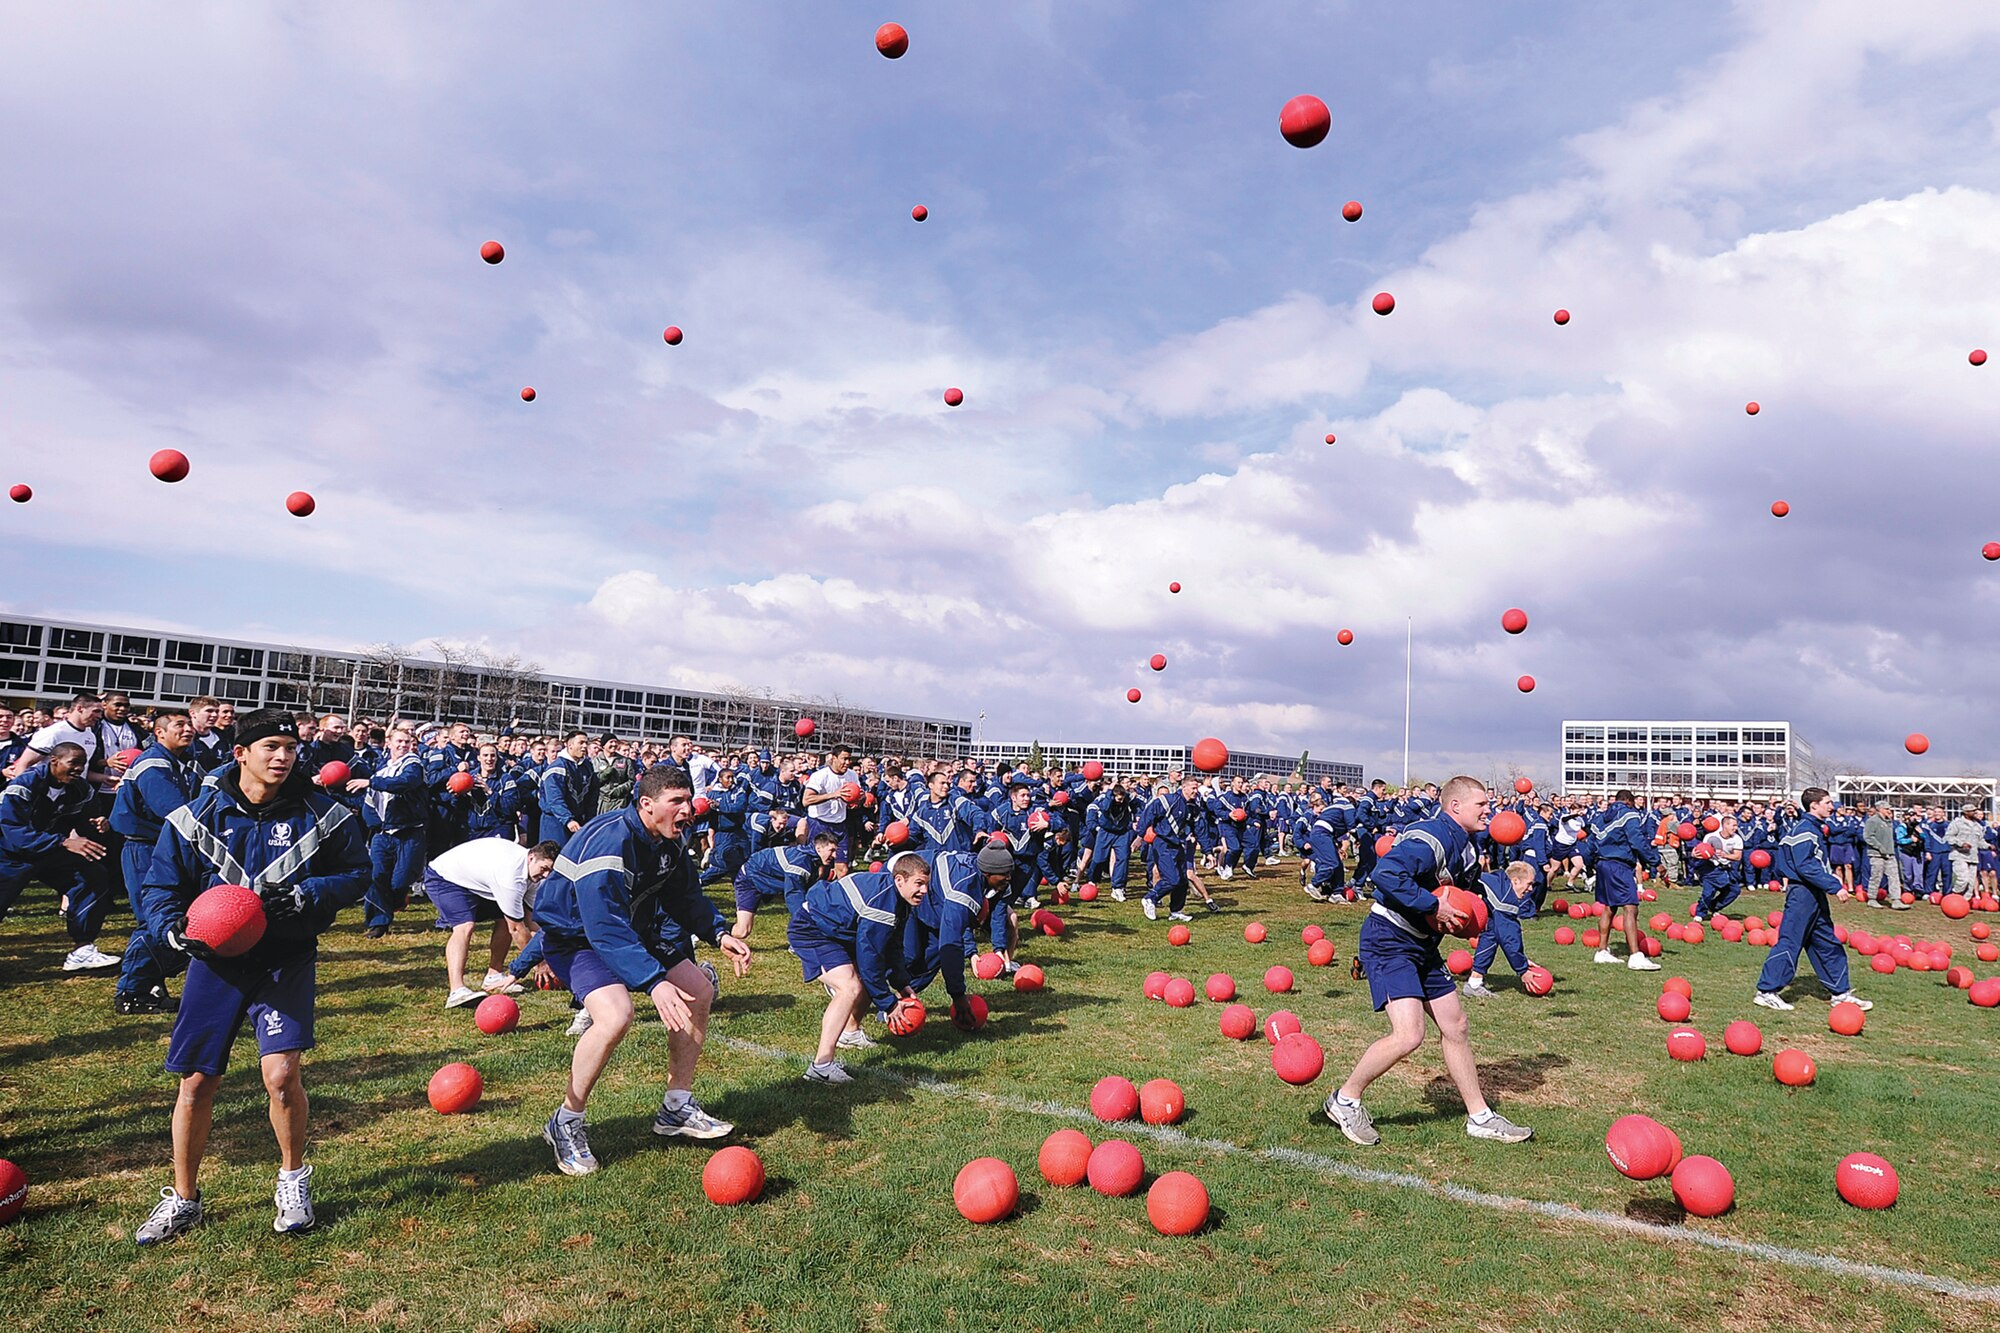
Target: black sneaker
1211,904
154,1001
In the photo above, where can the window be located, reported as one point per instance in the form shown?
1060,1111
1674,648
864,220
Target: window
1673,734
239,659
239,691
63,676
176,685
18,672
129,680
631,698
598,721
597,694
133,648
16,637
1763,737
1716,735
1628,735
187,652
75,643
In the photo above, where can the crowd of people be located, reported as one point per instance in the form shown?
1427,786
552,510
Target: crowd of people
589,858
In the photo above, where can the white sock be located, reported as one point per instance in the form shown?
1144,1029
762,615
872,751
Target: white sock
284,1175
565,1116
676,1099
1482,1117
1345,1100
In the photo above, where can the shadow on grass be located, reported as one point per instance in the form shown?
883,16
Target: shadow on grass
736,1003
1518,1074
1657,1212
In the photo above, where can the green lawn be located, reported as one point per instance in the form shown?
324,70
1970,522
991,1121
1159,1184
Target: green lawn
462,1222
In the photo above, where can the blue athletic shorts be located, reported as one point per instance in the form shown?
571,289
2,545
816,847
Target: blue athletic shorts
217,997
816,952
455,903
1400,966
838,832
1617,886
749,897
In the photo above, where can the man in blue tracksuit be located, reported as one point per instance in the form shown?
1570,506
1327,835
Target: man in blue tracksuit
945,820
1623,837
1222,806
1371,819
1406,975
937,937
729,799
1025,827
1176,822
776,873
395,809
849,937
1510,900
568,791
1807,925
1324,831
160,781
46,832
494,803
265,827
621,912
1721,870
1107,839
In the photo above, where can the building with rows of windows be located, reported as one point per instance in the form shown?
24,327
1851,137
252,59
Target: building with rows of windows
47,660
1156,759
1907,792
1721,760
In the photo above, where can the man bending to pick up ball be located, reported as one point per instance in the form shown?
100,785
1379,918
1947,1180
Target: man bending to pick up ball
264,826
1399,949
849,935
620,913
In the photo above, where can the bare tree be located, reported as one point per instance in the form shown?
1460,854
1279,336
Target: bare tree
383,669
512,689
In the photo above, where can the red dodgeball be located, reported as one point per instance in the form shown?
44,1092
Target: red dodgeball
1320,953
672,335
1281,1024
528,394
455,1089
497,1014
1538,980
1846,1018
1524,785
1779,509
1065,1157
953,397
1704,1186
1985,994
1760,859
1305,121
1866,1181
1565,935
1132,695
892,40
458,784
20,493
850,792
732,1176
1278,980
1507,828
804,727
907,1018
1179,993
1173,587
1674,1007
972,1016
1351,210
1114,1098
1154,987
300,504
1029,978
1254,932
1329,438
1178,935
1092,770
985,1190
1687,1044
1238,1022
332,774
1752,408
13,1191
1526,684
492,252
1220,987
919,213
1159,662
1794,1069
1562,316
1177,1204
1115,1168
1514,620
169,465
1209,755
987,966
1977,356
1991,550
228,919
897,833
1640,1147
1742,1038
1345,637
1161,1102
1472,906
1458,962
1383,303
1297,1059
1916,742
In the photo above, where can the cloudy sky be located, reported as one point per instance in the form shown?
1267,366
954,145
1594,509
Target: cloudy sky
252,233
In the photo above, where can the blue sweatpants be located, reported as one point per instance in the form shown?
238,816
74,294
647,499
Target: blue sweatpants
1502,933
397,861
730,852
1173,886
1807,927
1111,852
147,963
1717,892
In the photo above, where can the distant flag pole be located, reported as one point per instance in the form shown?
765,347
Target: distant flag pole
1409,643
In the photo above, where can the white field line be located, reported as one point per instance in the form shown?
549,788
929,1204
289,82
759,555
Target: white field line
1332,1166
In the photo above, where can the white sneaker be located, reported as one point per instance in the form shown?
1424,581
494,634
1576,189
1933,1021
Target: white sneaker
578,1025
1771,1000
1010,969
854,1039
1479,988
1849,997
502,983
1146,906
295,1204
1226,874
831,1072
1638,962
1498,1128
1604,956
1118,895
461,997
89,958
1179,916
170,1217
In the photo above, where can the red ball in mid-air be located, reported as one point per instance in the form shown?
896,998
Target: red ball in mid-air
1305,121
1209,755
300,504
672,335
528,394
892,40
985,1190
1752,408
1916,742
953,397
1177,1204
1978,356
1065,1157
1779,509
919,213
1704,1186
228,918
1514,620
20,492
1525,684
1329,437
1173,587
455,1089
1991,550
169,465
497,1014
1345,637
1159,662
1507,828
733,1175
1524,785
1133,696
492,252
1351,210
1562,316
1866,1181
1383,303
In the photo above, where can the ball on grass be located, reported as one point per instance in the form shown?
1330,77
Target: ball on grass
733,1175
1704,1186
1238,1021
1278,980
1254,932
1639,1146
1114,1099
497,1014
1866,1181
1846,1018
1297,1058
1794,1069
986,1190
1179,993
13,1191
1177,1204
455,1089
1538,980
1281,1024
1161,1102
1065,1157
1115,1168
1687,1044
1178,935
1155,986
1743,1038
1029,978
1674,1007
1220,987
1321,953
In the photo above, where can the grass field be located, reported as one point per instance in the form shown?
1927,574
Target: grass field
462,1222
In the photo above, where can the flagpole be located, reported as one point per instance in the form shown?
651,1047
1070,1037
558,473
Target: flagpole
1409,643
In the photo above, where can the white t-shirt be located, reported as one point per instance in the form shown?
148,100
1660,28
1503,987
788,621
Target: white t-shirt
701,771
493,868
60,731
1724,846
826,780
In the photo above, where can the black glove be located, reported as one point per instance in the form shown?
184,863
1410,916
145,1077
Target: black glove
180,942
281,903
